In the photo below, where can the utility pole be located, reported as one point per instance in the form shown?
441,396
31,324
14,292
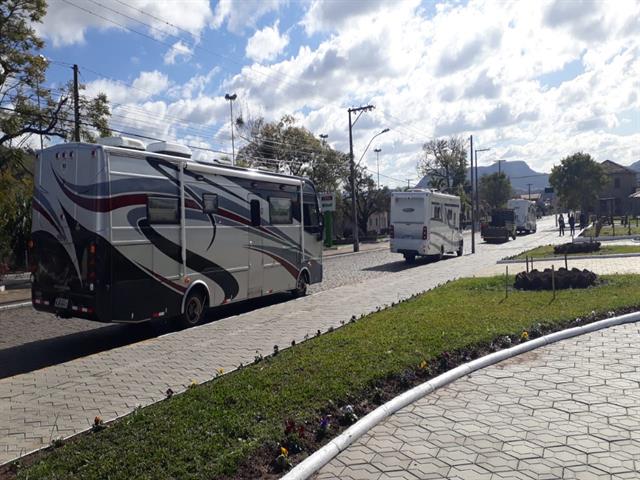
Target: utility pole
529,185
231,98
352,167
76,105
499,169
473,208
378,150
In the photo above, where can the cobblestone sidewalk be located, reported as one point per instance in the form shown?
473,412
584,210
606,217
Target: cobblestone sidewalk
567,410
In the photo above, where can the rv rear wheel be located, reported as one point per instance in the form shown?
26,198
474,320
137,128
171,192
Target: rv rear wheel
193,310
460,250
301,286
410,257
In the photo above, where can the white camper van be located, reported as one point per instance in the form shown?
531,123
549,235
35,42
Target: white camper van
425,222
124,232
525,211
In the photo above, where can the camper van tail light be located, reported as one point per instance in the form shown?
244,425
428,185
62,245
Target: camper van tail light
88,310
30,244
392,232
424,233
157,314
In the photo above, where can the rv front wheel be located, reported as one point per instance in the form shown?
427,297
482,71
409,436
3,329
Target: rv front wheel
193,310
409,257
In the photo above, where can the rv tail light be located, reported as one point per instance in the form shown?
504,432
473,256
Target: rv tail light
92,248
424,233
30,244
392,232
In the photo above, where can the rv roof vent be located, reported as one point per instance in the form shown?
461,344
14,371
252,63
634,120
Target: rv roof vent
168,148
123,142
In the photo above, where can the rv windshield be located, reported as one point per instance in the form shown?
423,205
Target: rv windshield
408,210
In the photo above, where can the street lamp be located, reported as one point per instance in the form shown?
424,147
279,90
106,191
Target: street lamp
378,150
369,144
231,98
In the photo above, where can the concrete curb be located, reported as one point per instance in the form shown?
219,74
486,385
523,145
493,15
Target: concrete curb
323,456
346,254
11,306
570,257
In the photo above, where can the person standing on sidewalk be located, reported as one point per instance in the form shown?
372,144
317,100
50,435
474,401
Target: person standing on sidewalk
561,225
572,224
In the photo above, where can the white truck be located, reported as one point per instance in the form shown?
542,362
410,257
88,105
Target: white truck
425,223
525,211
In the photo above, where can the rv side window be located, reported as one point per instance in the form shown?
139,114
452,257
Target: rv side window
255,213
437,212
210,203
449,215
163,210
280,210
311,216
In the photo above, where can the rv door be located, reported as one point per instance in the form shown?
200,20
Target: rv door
254,249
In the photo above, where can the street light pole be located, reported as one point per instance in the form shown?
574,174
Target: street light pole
378,150
352,167
231,98
473,191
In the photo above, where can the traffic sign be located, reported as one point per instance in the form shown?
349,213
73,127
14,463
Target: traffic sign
328,202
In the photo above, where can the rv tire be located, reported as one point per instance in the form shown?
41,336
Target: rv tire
460,250
301,285
193,310
410,257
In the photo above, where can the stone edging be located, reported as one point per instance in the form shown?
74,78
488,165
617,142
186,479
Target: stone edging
569,257
604,238
323,456
10,306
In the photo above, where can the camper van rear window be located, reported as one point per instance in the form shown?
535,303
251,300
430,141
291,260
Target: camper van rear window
210,203
163,210
280,210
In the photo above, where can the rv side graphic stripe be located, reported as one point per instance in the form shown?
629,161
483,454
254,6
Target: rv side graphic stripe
163,280
195,262
36,206
288,266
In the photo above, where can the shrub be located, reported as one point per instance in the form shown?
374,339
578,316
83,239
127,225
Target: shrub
536,280
586,247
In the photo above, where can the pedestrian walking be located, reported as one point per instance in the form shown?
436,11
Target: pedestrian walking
572,224
561,225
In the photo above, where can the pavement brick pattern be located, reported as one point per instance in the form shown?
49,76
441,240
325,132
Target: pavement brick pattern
568,410
63,399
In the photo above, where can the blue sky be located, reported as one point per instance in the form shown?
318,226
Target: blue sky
537,81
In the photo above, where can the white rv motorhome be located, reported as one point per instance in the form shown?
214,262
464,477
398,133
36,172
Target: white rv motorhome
525,211
126,233
425,222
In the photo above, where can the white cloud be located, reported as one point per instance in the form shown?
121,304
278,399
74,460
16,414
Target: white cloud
144,87
177,50
66,24
266,44
332,15
240,15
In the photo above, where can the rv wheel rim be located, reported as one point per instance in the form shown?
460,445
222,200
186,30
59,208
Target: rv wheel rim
194,309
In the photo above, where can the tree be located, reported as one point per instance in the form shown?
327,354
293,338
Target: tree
577,181
16,185
287,148
26,106
369,199
445,163
495,190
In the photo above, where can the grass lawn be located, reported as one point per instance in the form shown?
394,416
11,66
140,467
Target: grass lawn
608,230
547,251
212,429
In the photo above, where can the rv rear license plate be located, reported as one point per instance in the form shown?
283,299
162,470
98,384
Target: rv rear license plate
62,302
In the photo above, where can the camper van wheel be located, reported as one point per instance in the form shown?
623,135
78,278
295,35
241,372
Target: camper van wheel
301,286
410,257
460,250
441,254
193,310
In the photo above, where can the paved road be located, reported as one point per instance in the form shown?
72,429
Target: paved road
33,340
63,398
567,410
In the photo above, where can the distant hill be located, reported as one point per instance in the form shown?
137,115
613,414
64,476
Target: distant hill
518,171
635,166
